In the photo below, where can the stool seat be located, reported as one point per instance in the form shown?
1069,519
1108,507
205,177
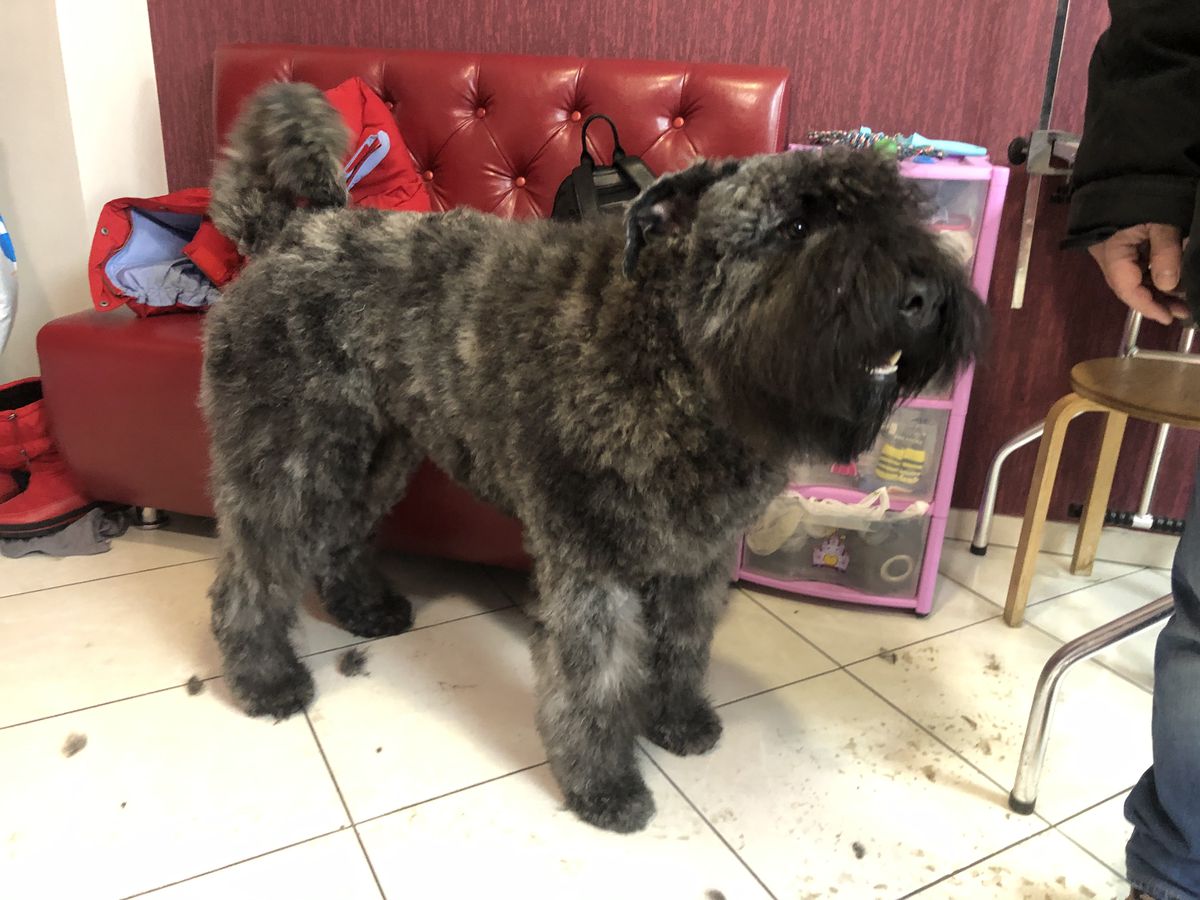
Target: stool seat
1166,391
1156,390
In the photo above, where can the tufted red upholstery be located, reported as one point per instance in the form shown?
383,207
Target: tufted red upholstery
495,132
478,123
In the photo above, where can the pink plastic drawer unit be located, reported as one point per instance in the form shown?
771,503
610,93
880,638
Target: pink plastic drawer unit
876,548
890,559
906,458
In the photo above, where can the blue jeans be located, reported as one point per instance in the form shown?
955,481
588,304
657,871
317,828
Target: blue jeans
1163,855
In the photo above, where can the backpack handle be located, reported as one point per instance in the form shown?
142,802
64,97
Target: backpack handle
585,158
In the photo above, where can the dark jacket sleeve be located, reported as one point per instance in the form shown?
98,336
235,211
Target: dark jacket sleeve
1139,160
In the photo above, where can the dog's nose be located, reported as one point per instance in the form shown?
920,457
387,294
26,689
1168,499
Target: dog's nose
920,302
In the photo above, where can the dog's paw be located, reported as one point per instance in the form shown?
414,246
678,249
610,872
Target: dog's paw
686,731
278,695
380,615
390,616
623,806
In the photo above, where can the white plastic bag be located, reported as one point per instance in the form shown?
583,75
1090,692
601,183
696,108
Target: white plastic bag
8,284
822,517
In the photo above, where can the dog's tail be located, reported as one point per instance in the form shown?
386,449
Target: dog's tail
285,152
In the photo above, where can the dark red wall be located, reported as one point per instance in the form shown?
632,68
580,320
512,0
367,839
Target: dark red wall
966,70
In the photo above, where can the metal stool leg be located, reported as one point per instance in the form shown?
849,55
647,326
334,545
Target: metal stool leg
987,508
1033,752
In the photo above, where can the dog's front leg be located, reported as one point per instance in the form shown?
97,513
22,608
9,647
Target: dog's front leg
589,653
681,613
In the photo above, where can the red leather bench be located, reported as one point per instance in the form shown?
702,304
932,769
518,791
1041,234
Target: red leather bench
491,131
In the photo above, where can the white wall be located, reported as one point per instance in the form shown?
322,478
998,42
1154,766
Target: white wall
78,125
114,116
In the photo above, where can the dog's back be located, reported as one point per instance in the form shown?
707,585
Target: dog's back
348,311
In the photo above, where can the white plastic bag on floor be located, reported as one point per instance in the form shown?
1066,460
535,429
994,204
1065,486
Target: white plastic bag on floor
8,284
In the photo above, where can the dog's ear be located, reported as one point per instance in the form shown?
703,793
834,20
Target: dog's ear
669,205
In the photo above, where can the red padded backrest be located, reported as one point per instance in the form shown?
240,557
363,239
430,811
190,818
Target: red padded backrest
500,132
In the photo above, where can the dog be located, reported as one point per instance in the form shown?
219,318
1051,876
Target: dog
633,389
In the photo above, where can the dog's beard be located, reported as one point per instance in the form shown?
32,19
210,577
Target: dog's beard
819,400
799,424
876,399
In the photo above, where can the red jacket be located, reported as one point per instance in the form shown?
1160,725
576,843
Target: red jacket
379,172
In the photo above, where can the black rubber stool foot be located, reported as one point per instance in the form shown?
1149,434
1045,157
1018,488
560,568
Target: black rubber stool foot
1020,806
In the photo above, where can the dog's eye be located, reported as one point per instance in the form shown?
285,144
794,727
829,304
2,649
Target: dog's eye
793,229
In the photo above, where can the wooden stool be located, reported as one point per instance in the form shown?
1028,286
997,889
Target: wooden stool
1155,390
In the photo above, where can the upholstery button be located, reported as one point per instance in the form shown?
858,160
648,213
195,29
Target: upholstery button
390,104
677,122
576,116
519,181
428,175
480,112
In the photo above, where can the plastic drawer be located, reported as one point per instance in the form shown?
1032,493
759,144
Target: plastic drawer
883,558
905,459
958,208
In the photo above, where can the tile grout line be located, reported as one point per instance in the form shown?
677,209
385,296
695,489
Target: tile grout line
845,668
777,687
1093,658
69,712
704,819
1058,827
499,585
982,859
1088,809
55,587
1005,790
412,629
1057,597
1038,627
345,806
1137,570
236,862
1064,554
1033,625
854,662
310,655
1120,875
933,637
465,787
919,725
803,637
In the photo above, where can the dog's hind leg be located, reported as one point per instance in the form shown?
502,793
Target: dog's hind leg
253,608
589,655
352,587
681,614
291,511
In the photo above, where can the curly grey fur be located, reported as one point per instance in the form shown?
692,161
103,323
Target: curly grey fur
634,392
286,147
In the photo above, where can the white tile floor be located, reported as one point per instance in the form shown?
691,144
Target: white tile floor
867,754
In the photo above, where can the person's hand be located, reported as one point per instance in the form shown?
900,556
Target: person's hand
1129,255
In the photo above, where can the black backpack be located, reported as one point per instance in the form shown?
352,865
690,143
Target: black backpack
591,190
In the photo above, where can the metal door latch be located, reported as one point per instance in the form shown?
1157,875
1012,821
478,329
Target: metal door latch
1044,153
